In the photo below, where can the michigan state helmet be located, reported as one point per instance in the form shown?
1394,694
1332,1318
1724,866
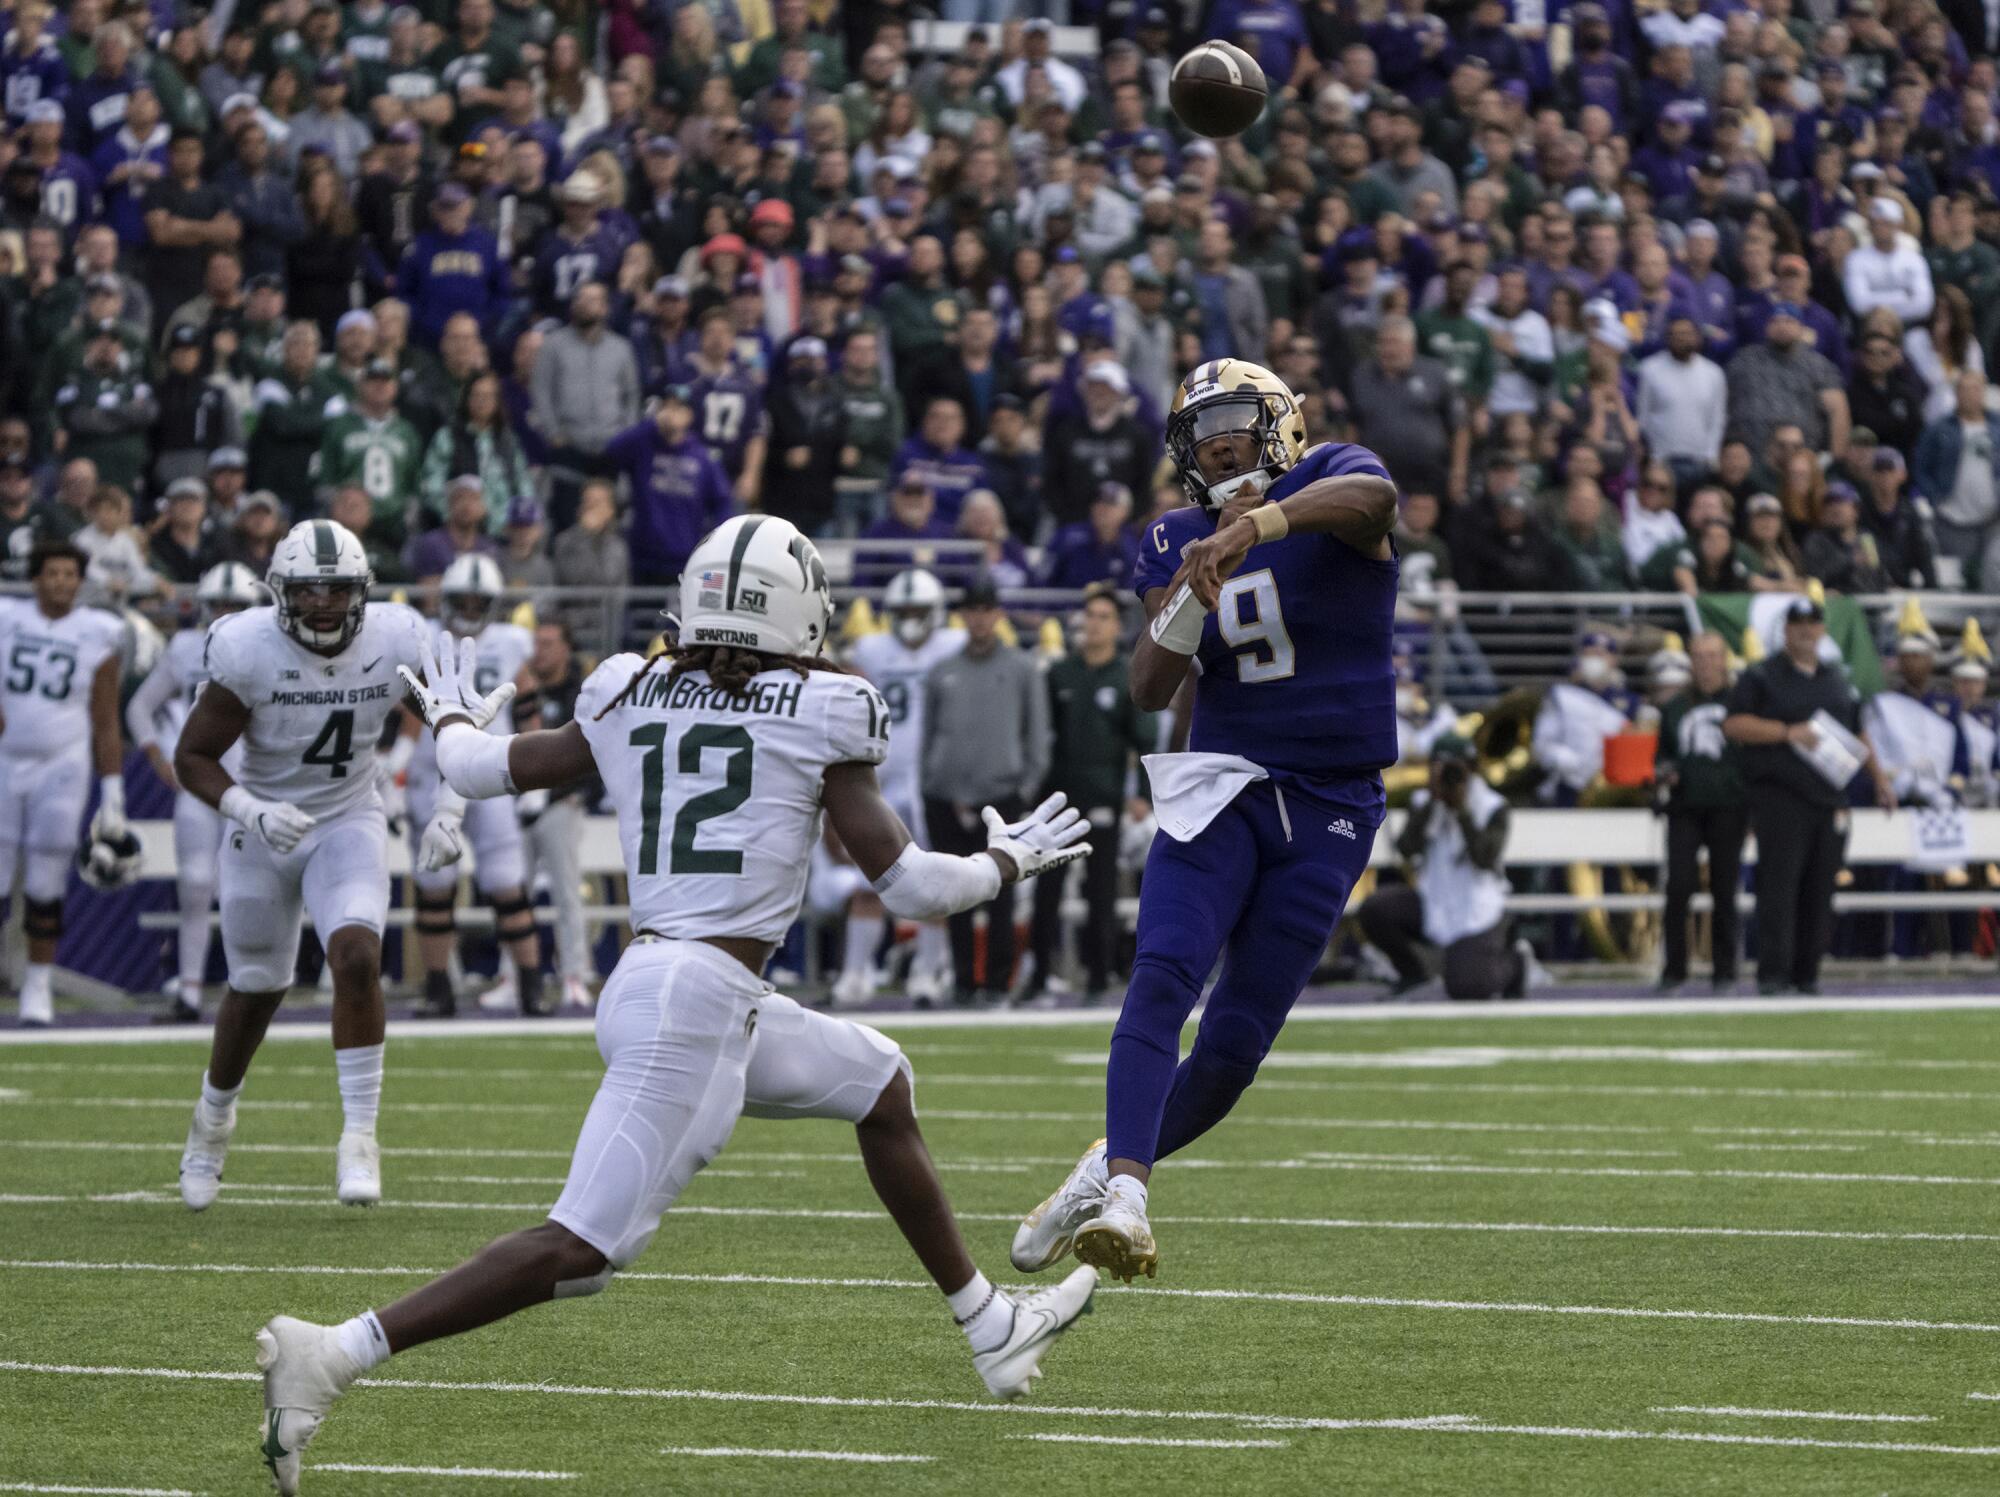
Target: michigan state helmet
1232,420
914,601
229,587
110,863
470,588
756,583
320,577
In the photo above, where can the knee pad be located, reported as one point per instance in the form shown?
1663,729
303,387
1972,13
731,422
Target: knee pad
435,912
42,918
597,1283
45,874
1231,1041
513,916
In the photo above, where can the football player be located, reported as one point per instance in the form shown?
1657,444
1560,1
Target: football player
1267,821
153,718
307,686
719,760
470,592
897,663
59,673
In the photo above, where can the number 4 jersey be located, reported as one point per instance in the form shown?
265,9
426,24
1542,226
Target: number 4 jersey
314,719
1295,662
49,665
718,797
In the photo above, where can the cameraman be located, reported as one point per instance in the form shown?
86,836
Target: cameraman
1452,843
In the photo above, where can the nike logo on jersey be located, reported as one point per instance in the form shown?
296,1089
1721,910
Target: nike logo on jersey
371,665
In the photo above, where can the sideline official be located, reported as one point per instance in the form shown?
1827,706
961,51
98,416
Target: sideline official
1799,817
1697,770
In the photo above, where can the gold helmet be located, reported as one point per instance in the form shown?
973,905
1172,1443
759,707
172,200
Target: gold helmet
1228,397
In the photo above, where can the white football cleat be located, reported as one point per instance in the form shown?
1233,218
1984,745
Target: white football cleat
577,997
1010,1369
927,989
852,989
357,1169
201,1160
1119,1241
1047,1233
502,998
304,1372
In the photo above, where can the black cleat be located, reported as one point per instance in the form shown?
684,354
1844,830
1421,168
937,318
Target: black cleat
440,998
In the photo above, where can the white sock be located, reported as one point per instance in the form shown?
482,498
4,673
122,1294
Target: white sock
933,953
360,1072
864,934
363,1339
38,999
191,993
983,1313
218,1099
1129,1189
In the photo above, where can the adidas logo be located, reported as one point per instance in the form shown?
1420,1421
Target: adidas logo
1342,827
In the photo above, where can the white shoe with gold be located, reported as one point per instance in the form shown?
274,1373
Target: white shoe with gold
1046,1234
1119,1240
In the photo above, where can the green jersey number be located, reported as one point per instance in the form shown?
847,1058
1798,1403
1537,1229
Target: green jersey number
736,744
335,745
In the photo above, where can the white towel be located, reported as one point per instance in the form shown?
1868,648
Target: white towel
1189,790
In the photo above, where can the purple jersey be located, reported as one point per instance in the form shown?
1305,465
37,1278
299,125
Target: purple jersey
678,495
124,203
27,77
1296,674
69,193
728,412
562,264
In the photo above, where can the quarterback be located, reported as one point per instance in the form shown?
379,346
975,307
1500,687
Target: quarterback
307,686
719,760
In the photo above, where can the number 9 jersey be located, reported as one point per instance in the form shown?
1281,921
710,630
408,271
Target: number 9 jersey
718,797
314,719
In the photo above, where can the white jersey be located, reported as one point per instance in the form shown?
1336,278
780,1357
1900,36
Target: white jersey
46,670
159,708
314,719
503,650
898,673
718,798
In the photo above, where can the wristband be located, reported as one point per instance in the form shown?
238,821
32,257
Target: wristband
111,795
239,805
1178,625
1270,522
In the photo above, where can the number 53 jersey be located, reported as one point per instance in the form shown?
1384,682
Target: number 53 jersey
314,720
46,670
718,797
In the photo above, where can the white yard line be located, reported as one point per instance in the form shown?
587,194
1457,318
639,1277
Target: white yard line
857,1457
1700,1437
36,1486
1636,1009
1731,1411
1057,1439
479,1471
1152,1292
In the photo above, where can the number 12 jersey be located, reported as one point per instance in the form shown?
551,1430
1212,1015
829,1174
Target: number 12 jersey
314,719
718,797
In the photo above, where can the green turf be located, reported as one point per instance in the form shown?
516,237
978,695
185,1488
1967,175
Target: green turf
1544,1138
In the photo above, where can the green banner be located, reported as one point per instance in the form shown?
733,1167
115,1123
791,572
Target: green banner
1734,614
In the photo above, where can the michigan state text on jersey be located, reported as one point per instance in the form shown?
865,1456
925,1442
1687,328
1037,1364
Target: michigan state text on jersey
1277,587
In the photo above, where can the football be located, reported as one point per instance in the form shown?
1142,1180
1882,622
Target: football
1218,90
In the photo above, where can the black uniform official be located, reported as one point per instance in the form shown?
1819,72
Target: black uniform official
1800,819
1699,775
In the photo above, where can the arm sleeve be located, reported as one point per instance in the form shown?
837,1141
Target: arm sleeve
923,885
142,713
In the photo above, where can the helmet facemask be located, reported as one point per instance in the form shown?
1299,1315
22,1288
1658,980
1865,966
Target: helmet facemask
301,600
466,614
1203,431
914,625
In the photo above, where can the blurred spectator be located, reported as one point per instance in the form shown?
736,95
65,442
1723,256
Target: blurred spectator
1012,459
1144,337
1235,324
1888,270
21,523
67,509
106,412
552,821
196,415
118,572
1587,535
524,561
463,532
1700,789
871,415
1101,549
291,405
1425,558
1943,349
1097,733
1781,382
808,430
184,546
455,266
320,269
1957,467
351,506
1505,550
1105,444
586,392
986,742
679,493
1683,402
729,406
592,555
937,457
970,373
1775,559
371,447
1840,553
184,217
1900,524
1885,395
902,537
479,440
1650,521
327,129
1576,716
1404,408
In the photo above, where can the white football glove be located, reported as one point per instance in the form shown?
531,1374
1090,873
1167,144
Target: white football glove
446,690
395,797
108,825
1047,837
529,805
279,826
442,844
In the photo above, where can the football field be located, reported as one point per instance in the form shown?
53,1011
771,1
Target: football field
1531,1249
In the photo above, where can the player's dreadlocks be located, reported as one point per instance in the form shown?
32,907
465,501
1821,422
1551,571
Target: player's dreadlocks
729,668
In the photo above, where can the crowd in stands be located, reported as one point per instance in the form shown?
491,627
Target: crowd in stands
1682,295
